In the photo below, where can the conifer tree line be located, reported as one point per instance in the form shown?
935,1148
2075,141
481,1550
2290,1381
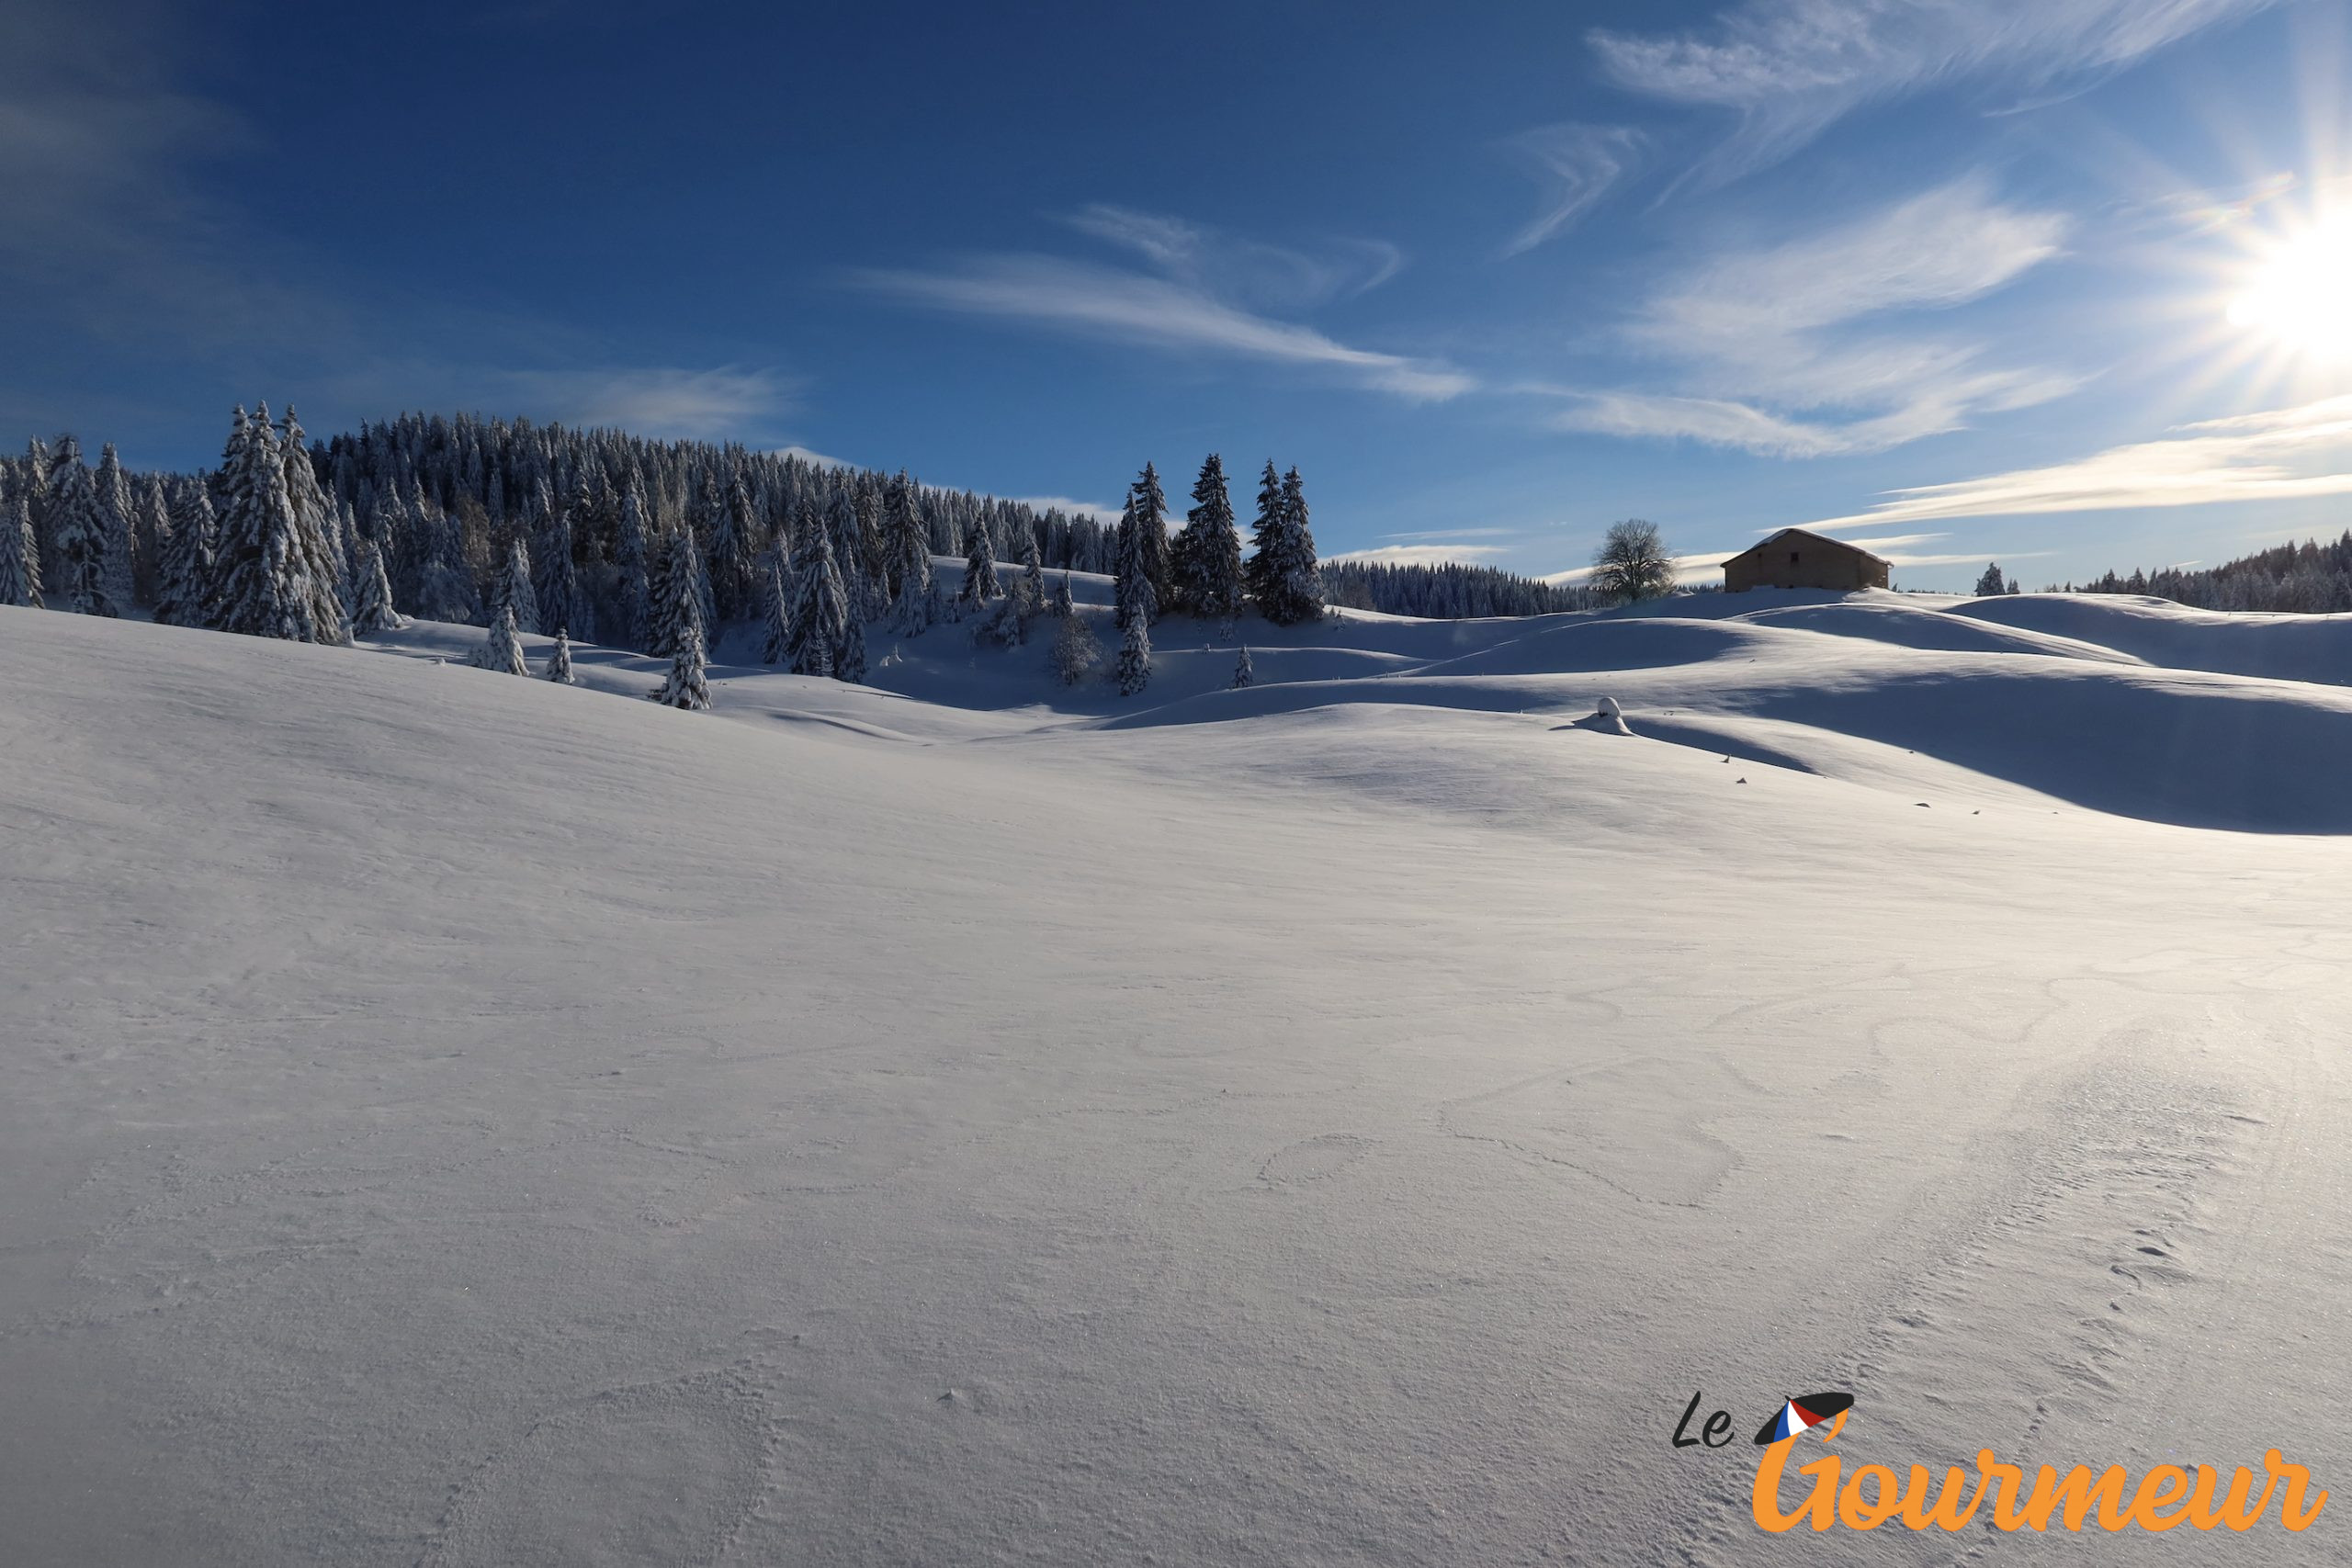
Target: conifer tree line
459,518
2310,579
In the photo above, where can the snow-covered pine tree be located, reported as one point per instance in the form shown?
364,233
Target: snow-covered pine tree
257,592
1207,553
19,554
1132,593
1992,581
910,546
348,541
32,483
874,559
152,534
732,530
1304,588
849,652
501,651
840,520
119,507
1076,653
513,590
78,535
559,660
555,581
315,571
1243,674
1151,539
183,577
979,565
445,588
374,611
705,600
630,587
856,594
1284,577
1064,606
1135,655
819,619
1032,590
676,591
1265,538
776,647
688,684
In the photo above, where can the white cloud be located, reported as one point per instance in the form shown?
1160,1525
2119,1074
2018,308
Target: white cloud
1574,165
2278,455
1423,555
1881,543
1788,350
1687,568
1943,247
1241,271
1792,68
1968,558
714,405
819,459
1095,510
1423,536
1204,292
1136,308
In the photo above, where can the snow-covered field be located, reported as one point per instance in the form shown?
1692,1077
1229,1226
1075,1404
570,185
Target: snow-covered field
446,1119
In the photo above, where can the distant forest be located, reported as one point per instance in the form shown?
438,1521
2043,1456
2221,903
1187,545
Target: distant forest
2309,579
440,503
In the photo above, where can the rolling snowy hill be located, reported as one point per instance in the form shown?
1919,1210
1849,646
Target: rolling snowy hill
452,1119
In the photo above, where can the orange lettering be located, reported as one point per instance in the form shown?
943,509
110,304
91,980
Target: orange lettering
1947,1514
1857,1515
2291,1512
2233,1511
2165,1485
2004,1480
2077,1492
1764,1500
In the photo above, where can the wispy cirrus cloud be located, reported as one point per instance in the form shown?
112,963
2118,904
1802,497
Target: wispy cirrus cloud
1881,543
1423,555
1575,166
1201,293
1792,68
724,402
820,460
2288,454
1812,348
720,402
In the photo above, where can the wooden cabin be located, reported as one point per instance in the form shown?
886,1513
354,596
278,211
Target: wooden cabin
1794,559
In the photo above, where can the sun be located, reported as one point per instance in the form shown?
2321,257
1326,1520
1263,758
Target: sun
2298,291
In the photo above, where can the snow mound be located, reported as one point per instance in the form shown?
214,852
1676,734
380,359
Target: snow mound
1887,618
2317,649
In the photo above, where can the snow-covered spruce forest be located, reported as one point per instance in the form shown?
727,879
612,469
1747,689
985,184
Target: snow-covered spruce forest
2309,579
661,547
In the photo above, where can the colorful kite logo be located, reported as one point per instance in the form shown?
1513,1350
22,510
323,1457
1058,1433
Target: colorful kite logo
1797,1414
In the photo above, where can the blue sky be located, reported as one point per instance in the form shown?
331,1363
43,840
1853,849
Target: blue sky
1981,278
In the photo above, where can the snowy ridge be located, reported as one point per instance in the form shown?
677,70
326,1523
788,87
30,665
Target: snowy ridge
1907,692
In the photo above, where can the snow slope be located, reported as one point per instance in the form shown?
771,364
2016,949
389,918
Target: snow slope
450,1118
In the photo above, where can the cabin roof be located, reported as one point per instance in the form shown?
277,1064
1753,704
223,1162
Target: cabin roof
1801,535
